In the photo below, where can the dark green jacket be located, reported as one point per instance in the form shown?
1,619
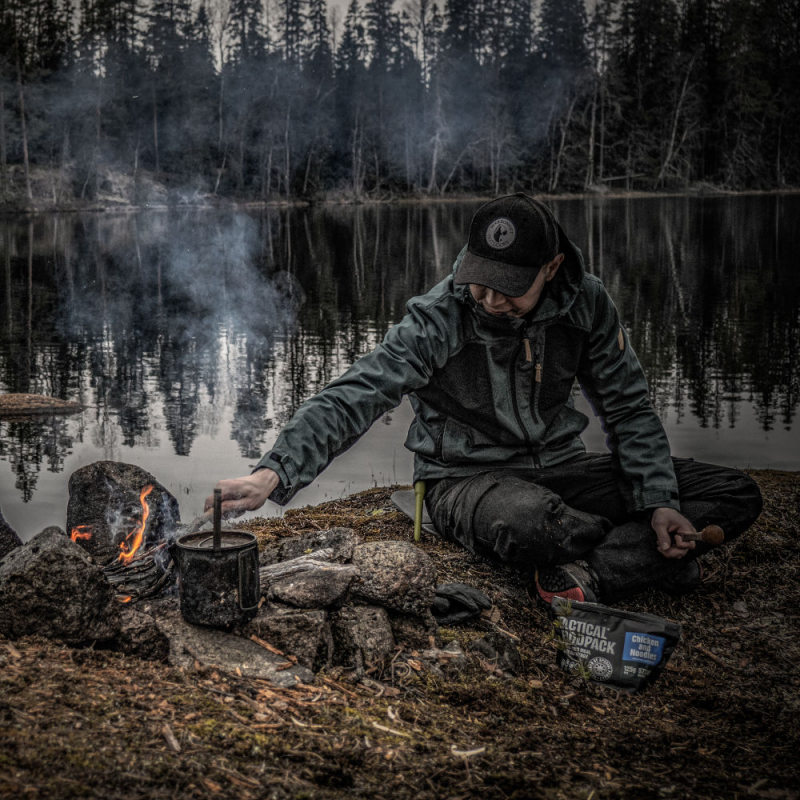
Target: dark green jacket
492,393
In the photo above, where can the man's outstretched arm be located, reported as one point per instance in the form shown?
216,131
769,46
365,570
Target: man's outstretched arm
336,417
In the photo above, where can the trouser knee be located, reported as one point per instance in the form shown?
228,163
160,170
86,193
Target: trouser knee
533,527
743,506
750,502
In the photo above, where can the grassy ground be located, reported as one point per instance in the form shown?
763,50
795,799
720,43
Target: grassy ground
721,722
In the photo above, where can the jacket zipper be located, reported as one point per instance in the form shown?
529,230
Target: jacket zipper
529,357
512,380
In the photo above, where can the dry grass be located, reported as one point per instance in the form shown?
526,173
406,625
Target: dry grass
721,722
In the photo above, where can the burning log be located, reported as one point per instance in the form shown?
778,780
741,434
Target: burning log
144,576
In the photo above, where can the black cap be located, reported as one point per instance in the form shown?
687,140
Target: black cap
510,240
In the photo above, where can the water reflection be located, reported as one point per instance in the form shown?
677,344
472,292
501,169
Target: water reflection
186,327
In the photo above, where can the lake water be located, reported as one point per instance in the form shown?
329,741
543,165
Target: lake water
191,336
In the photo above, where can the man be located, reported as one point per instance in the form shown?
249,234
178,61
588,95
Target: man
488,358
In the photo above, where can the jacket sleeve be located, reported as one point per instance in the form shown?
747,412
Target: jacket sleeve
614,383
336,417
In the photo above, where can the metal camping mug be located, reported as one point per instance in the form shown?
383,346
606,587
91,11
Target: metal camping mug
219,580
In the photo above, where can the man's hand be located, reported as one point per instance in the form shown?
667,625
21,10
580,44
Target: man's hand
669,524
245,494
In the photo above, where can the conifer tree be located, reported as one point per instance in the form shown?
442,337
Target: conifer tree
292,26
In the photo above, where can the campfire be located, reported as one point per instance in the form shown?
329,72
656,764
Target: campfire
324,598
139,571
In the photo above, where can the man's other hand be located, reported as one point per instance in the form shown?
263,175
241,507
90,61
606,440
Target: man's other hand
669,524
245,494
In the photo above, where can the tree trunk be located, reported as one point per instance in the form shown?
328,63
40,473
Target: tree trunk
434,160
562,144
308,170
64,158
628,170
7,265
437,141
457,162
155,127
355,156
29,332
136,163
601,162
219,173
673,132
3,150
408,161
287,152
589,180
24,128
220,107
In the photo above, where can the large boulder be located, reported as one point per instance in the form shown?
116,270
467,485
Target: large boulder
362,636
109,501
395,575
8,537
303,634
342,541
49,586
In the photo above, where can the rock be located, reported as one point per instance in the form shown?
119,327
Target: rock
8,538
105,508
304,634
141,636
395,575
413,630
320,587
362,636
50,587
342,540
500,651
225,651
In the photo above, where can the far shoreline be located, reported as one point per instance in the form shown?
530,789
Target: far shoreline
227,204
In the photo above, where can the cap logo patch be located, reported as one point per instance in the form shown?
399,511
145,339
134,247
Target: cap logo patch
501,233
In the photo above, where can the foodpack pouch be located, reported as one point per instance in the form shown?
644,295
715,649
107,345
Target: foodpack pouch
621,649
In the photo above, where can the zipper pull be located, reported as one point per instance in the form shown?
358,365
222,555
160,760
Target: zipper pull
528,354
538,373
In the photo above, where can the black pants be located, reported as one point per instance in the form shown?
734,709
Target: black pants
579,510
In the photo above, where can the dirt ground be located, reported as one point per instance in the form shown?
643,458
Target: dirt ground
722,721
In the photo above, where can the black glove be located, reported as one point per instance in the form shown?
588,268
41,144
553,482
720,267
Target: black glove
457,603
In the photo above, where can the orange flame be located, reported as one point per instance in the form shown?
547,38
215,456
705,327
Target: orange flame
125,599
81,532
133,541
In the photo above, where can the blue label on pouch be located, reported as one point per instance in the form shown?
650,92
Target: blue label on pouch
643,647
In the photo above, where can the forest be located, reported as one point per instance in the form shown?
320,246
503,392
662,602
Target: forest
154,102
